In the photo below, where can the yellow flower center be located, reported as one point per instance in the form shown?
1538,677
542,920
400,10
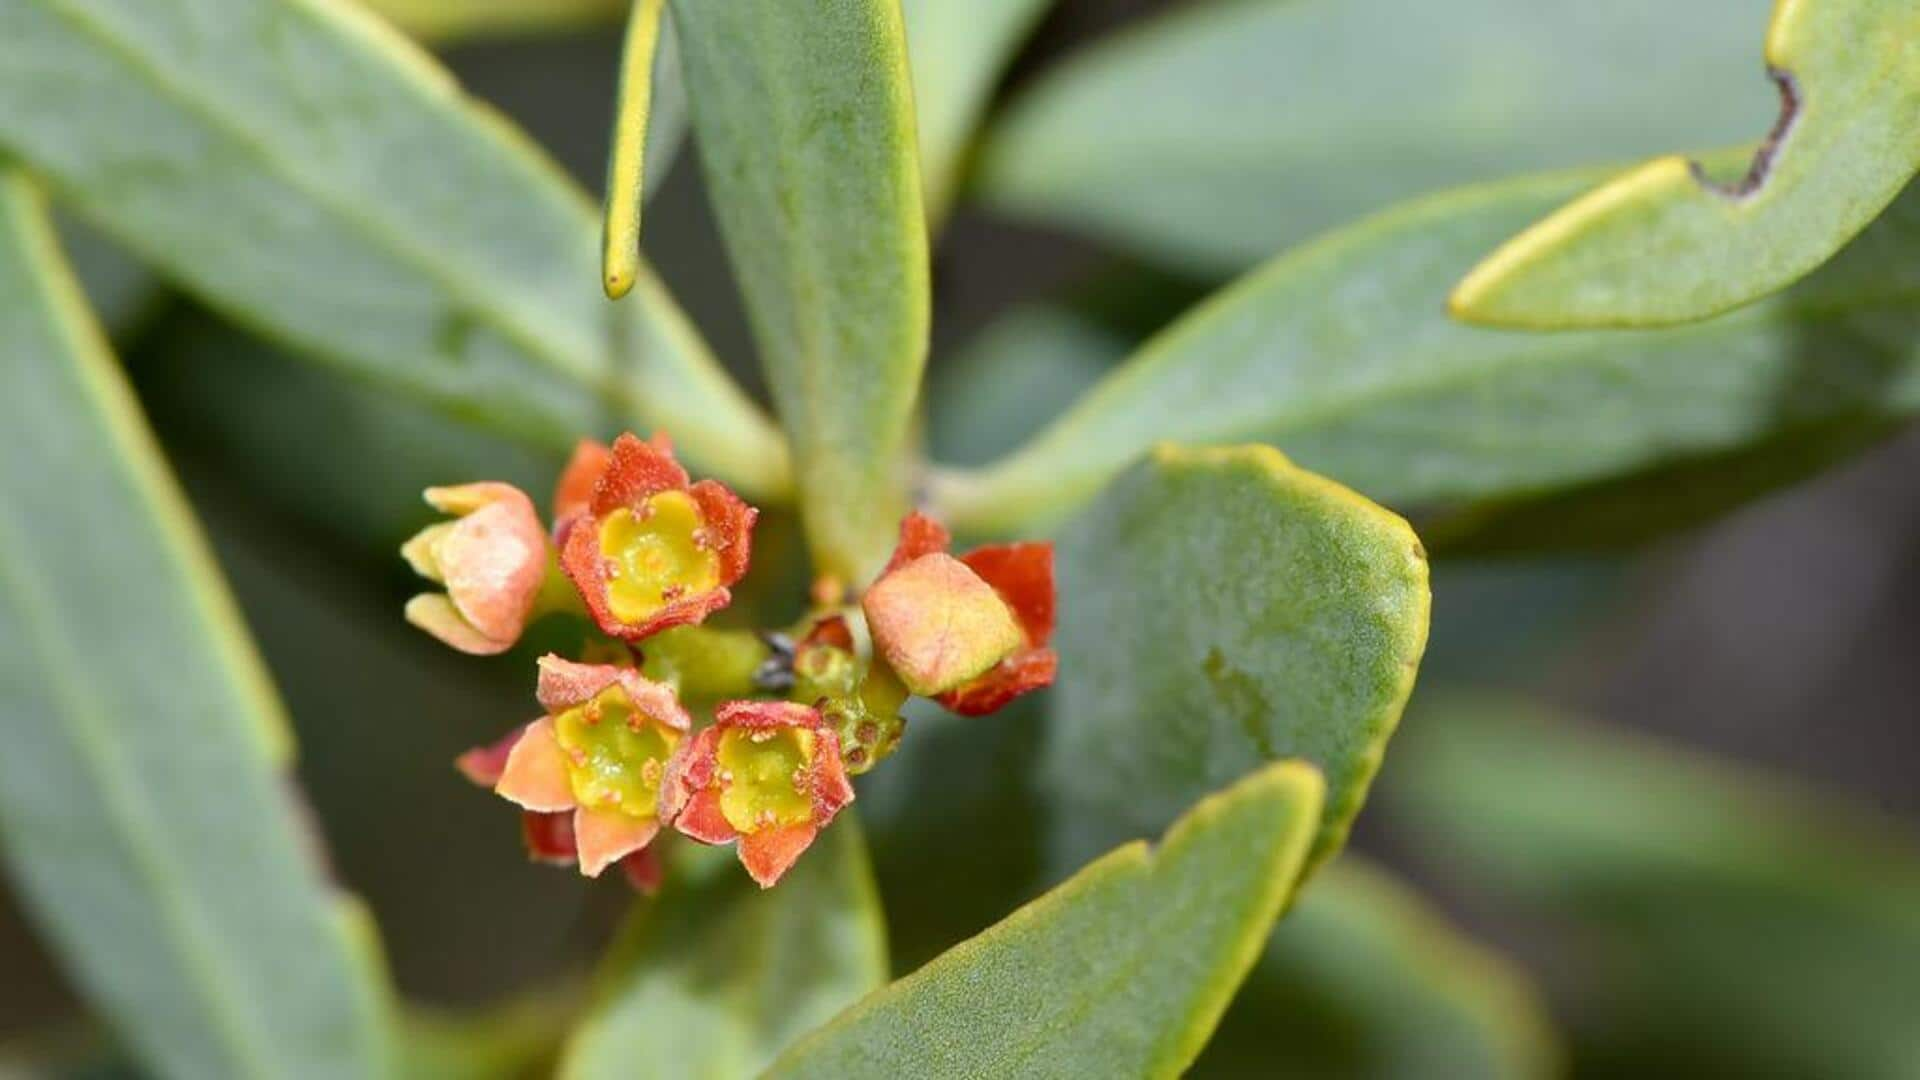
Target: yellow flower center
655,557
616,754
764,773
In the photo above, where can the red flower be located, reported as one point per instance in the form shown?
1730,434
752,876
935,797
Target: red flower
549,837
768,774
646,549
970,632
598,758
492,559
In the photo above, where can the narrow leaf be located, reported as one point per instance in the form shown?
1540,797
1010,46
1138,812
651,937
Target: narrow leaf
309,173
1215,135
717,976
1267,614
1665,244
144,810
1122,971
1365,978
362,455
804,119
960,49
1412,408
447,20
626,165
1770,930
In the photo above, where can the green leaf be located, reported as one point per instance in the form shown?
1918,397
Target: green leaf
715,978
1218,134
804,118
1411,408
960,49
1365,979
1763,929
1267,614
1665,244
1022,370
144,809
361,456
312,175
1122,971
446,20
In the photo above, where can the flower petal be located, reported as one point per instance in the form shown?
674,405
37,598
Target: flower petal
727,527
938,624
769,853
644,870
574,492
435,613
701,819
605,836
484,764
689,770
493,561
549,837
831,788
564,684
1022,574
536,772
635,470
1023,672
919,535
463,499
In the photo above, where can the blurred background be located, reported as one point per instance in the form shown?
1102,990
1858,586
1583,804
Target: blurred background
1782,637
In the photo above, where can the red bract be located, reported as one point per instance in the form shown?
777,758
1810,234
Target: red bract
767,774
599,755
648,550
931,621
492,560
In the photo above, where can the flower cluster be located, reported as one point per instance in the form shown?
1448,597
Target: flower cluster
747,737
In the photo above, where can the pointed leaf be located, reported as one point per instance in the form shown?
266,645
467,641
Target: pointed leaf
959,48
804,118
1768,929
1122,971
1665,244
718,975
1364,978
1412,408
144,809
308,172
1267,614
1216,135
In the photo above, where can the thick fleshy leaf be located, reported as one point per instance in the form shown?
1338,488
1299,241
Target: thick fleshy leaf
1668,244
144,810
717,976
1216,135
1770,931
1414,409
959,49
290,165
1122,971
804,116
1267,614
1365,979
